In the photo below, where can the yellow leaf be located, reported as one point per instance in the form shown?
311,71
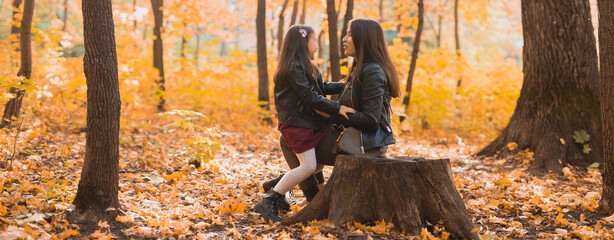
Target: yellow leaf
511,146
313,230
69,233
560,220
234,232
101,235
562,141
123,219
567,172
173,176
379,228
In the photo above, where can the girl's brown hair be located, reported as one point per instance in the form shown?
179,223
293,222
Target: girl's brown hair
295,49
370,44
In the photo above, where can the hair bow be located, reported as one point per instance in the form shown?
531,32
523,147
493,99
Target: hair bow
303,32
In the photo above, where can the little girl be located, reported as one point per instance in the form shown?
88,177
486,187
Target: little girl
299,91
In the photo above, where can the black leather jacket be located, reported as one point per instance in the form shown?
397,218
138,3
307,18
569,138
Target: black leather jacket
371,99
297,96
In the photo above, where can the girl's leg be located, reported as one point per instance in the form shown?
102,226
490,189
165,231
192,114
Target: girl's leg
307,167
310,185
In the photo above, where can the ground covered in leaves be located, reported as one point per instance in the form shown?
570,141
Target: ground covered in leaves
183,178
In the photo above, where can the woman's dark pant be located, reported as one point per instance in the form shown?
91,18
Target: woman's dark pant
324,155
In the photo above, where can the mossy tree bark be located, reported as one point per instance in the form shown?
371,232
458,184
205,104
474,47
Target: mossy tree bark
560,90
405,191
97,194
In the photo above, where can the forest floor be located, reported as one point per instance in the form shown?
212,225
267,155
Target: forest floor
163,195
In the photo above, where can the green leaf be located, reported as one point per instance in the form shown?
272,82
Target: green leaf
581,136
586,149
110,209
71,207
593,167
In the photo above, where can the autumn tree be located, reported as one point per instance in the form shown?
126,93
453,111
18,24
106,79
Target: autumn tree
280,24
606,60
97,194
457,42
263,75
557,113
414,57
158,50
333,40
65,16
294,13
14,28
349,9
12,109
303,12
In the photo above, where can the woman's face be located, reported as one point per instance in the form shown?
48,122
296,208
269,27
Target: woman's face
348,44
312,44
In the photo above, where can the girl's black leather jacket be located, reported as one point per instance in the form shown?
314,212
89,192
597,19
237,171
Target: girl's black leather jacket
296,97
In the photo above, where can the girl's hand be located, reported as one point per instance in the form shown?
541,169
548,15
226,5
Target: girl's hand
323,114
343,111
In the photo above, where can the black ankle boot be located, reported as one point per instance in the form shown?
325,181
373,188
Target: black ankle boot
267,207
268,185
283,204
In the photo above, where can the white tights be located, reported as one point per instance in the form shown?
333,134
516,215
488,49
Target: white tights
308,166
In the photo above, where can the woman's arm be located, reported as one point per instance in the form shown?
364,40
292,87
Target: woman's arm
372,93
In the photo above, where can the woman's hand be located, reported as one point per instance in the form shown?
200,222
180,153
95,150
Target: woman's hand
343,111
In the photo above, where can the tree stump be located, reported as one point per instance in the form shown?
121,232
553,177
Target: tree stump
403,190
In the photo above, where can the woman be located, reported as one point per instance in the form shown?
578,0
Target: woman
372,82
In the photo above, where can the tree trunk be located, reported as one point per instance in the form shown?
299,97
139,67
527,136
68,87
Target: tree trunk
97,194
263,74
414,57
294,13
303,12
333,39
65,19
134,12
559,94
405,191
457,43
158,50
16,4
381,10
436,32
346,19
606,58
280,25
13,106
321,52
183,41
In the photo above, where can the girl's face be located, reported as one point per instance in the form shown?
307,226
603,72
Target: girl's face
348,44
312,44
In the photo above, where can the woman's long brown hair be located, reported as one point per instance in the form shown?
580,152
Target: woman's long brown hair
370,44
295,48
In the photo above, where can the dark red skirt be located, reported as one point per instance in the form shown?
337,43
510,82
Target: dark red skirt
301,139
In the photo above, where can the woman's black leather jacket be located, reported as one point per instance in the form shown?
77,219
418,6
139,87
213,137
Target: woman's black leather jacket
371,99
